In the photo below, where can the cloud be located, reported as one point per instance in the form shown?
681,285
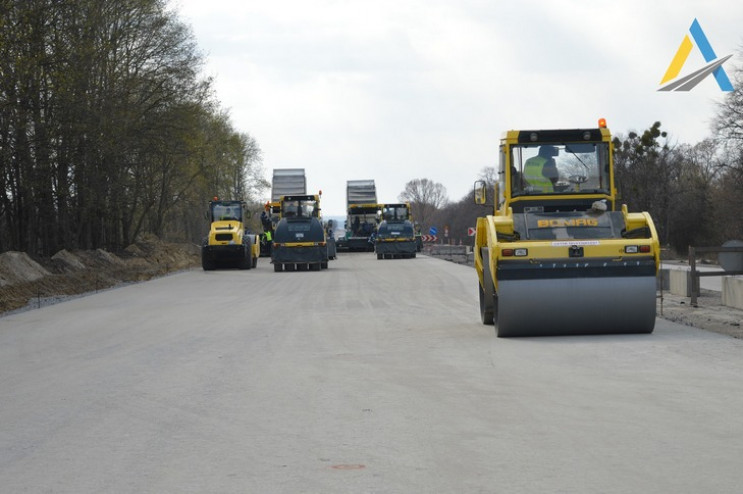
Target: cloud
395,90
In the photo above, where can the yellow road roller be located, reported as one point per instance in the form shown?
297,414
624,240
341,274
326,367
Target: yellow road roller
558,256
228,240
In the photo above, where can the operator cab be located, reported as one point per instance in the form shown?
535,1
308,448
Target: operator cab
299,207
226,211
565,168
395,212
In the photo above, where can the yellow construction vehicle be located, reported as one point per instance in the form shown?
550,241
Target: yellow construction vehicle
363,216
229,241
557,257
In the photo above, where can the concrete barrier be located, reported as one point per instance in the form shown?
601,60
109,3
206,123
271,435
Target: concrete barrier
663,280
453,253
679,282
732,292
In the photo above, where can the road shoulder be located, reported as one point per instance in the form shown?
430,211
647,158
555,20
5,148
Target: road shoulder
709,314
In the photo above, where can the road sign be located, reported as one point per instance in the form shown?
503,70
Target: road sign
471,231
433,231
429,238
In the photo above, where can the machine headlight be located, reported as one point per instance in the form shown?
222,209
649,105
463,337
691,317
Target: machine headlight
520,252
635,249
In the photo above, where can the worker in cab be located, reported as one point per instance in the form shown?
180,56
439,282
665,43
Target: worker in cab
229,214
540,171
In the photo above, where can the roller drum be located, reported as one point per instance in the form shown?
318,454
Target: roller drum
575,306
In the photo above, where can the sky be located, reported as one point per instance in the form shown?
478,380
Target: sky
394,90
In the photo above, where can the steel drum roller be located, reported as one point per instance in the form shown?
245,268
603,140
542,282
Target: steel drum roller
575,306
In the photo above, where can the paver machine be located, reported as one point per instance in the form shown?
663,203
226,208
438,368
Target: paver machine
299,241
229,242
395,237
559,256
363,214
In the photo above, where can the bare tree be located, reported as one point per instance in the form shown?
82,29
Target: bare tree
489,174
729,131
425,197
107,129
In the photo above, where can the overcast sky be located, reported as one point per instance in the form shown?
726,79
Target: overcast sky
393,90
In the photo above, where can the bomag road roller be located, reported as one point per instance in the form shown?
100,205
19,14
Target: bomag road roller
395,236
299,241
558,256
228,241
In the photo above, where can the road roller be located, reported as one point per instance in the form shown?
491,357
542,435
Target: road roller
559,255
395,238
299,241
228,240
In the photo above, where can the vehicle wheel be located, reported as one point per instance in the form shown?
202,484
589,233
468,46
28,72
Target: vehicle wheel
277,267
379,256
207,264
324,265
245,262
315,267
486,307
290,267
255,262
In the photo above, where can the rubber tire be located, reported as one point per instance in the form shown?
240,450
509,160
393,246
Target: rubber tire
255,262
207,264
324,265
278,267
487,293
246,262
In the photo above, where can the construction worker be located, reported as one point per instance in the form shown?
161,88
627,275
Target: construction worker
266,218
540,171
229,214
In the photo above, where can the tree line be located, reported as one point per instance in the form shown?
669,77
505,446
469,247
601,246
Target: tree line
107,129
694,192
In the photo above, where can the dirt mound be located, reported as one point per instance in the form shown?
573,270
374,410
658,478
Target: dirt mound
34,282
17,267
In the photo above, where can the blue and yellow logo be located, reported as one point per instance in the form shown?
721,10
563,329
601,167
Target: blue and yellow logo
714,64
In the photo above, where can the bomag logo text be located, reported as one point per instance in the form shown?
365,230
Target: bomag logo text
563,223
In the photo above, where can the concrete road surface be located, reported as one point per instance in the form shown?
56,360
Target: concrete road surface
369,377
